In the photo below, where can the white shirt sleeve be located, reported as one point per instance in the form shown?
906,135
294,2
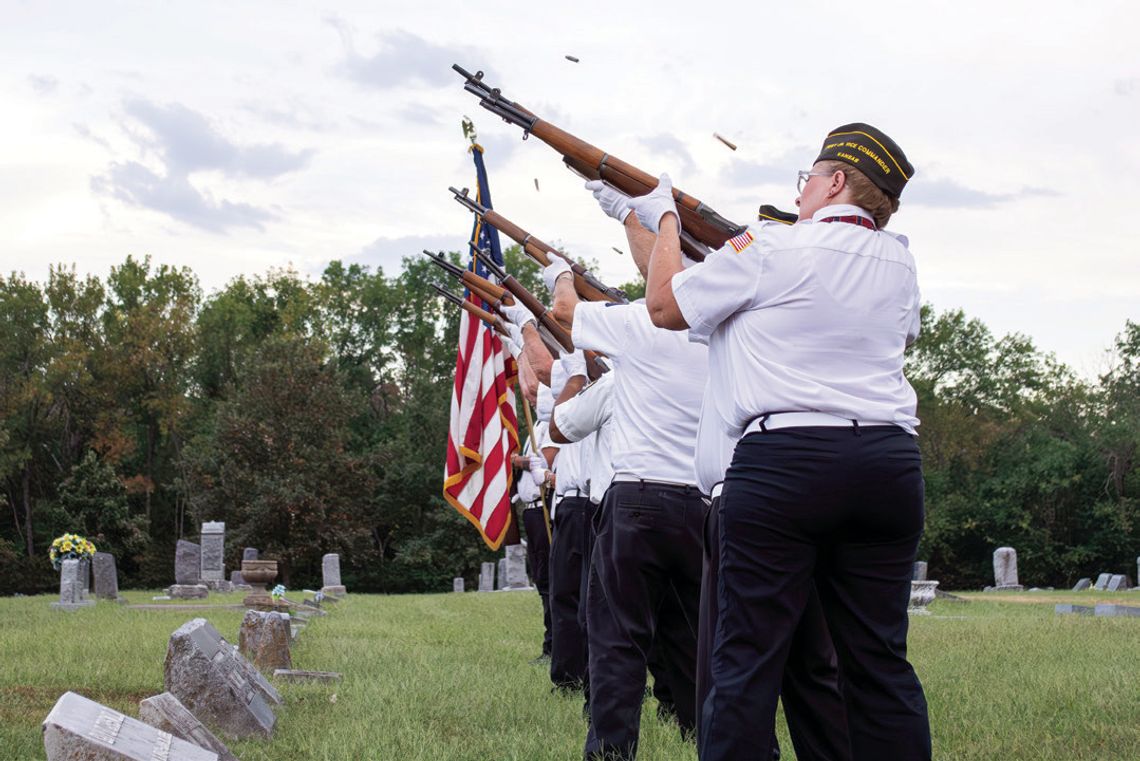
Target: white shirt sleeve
915,318
602,326
725,283
586,411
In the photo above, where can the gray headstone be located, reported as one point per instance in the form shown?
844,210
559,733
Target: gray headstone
166,713
1102,581
330,574
187,562
1119,583
1117,611
264,640
70,589
249,553
1066,609
189,591
213,551
919,571
1005,568
487,577
78,729
516,566
106,576
212,680
84,578
236,579
457,584
1082,585
501,579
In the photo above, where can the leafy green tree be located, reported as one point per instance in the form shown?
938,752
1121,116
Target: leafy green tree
96,505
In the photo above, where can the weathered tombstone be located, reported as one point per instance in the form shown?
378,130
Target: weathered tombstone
236,579
1117,611
213,553
457,584
212,680
187,562
501,578
1082,585
487,577
1005,569
249,553
78,729
84,578
922,593
516,567
188,591
1102,581
264,640
106,577
166,713
1118,583
919,571
330,575
70,588
1066,609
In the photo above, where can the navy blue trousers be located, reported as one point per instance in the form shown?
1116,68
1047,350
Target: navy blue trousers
842,506
568,637
538,558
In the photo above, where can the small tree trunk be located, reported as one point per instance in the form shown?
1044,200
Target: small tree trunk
26,487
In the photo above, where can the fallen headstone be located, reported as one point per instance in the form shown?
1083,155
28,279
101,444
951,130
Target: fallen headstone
1118,583
919,573
166,713
187,562
188,591
292,675
70,588
1082,585
1117,611
264,640
1102,581
457,584
212,680
1005,569
1067,609
78,729
330,575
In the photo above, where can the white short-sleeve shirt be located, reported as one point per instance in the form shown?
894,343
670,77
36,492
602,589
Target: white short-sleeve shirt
590,411
659,377
808,317
715,444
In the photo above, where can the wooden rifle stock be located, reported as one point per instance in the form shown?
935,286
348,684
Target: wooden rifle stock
705,225
587,286
482,287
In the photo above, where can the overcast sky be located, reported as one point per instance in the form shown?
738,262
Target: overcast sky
236,137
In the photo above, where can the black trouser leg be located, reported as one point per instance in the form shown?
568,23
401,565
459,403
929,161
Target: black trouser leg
589,534
568,642
538,558
648,545
672,662
853,499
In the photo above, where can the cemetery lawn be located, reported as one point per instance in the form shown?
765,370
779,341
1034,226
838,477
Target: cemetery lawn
441,677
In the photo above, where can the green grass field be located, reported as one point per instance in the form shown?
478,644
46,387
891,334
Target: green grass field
448,677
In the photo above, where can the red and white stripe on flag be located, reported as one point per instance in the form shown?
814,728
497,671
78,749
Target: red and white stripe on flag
483,431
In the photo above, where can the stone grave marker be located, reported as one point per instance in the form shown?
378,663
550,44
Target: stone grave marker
188,591
457,584
1005,569
1102,581
78,729
249,553
1117,611
237,581
84,578
501,578
70,588
1082,585
215,683
1066,609
187,562
106,577
166,713
1118,583
919,571
330,575
487,577
516,567
264,640
213,553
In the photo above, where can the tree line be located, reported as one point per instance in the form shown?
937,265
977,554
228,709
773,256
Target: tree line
311,414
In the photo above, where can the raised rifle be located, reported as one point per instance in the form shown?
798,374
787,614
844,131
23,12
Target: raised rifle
482,287
587,286
528,300
494,321
702,228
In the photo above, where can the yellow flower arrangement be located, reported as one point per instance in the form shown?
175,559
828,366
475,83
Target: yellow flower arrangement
70,546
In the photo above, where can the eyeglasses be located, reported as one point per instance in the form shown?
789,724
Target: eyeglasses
804,175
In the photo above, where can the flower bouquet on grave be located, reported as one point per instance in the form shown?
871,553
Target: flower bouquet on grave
70,547
278,593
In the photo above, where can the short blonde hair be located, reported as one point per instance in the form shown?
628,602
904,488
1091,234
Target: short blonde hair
864,193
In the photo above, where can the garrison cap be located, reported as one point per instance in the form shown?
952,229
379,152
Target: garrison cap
870,151
772,214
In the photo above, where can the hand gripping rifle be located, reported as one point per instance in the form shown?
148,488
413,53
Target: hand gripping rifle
701,226
482,287
587,286
528,300
494,321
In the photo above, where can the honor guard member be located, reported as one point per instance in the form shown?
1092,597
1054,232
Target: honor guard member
536,521
648,541
806,328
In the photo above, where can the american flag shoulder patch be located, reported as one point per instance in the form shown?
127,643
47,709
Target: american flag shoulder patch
741,242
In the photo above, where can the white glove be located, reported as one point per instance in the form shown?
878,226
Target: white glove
517,314
651,208
574,363
550,272
613,202
538,471
509,343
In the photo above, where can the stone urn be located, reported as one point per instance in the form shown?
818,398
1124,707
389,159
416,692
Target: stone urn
259,574
921,595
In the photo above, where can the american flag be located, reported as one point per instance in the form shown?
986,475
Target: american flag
483,431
